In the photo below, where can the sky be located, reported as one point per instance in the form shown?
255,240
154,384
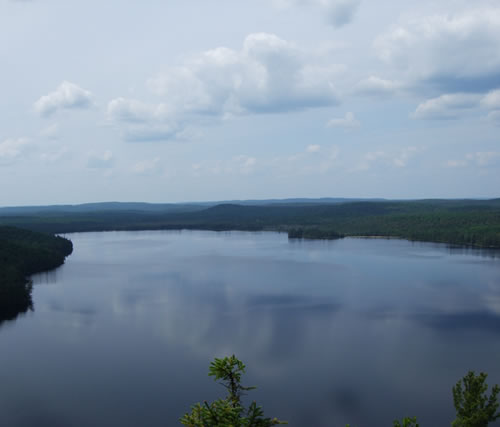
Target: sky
196,100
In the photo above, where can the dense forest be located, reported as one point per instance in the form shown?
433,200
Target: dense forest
462,222
22,253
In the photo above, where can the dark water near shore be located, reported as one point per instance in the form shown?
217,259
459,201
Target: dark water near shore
355,330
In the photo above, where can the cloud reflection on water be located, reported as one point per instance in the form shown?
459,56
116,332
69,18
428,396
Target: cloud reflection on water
328,332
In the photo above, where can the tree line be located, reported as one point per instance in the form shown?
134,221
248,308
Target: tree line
461,222
23,253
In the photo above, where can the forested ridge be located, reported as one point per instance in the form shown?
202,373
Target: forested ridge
463,222
22,253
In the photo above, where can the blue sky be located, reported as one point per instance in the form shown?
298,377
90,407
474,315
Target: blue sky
179,101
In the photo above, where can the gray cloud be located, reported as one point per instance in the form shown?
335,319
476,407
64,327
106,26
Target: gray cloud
340,12
450,53
67,96
471,84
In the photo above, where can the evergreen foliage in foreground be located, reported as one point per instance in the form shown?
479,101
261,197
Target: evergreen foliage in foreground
474,407
228,412
407,422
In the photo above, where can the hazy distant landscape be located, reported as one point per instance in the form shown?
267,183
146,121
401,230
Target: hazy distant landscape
462,222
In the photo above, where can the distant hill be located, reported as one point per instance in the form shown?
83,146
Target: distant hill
100,207
199,206
294,201
164,207
463,222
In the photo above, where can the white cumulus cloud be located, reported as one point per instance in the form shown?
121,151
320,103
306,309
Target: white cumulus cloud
67,96
452,52
346,122
448,106
267,75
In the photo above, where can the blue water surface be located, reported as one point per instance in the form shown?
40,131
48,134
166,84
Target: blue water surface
358,331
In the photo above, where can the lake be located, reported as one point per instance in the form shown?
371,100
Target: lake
353,330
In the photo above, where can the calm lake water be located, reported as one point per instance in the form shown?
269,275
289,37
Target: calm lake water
354,330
